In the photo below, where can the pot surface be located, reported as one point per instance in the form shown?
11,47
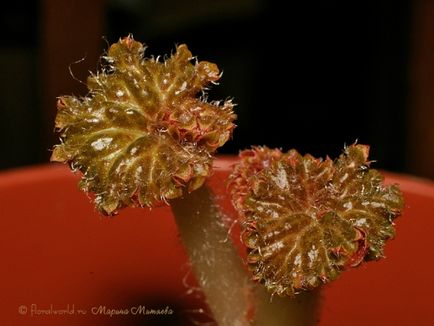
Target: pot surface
64,264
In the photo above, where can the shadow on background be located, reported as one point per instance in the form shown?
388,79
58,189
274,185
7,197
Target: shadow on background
312,76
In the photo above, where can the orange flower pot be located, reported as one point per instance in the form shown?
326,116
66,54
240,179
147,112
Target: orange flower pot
64,264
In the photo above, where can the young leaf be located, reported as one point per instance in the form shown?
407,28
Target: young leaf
306,219
142,135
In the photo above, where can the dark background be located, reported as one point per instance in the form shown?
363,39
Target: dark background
314,76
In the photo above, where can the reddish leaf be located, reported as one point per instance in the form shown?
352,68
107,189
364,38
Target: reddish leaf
141,135
306,219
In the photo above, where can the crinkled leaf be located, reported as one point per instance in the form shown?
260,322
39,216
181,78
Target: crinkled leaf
305,219
141,135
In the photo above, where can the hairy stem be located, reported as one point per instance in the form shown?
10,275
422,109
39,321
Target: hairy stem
230,293
277,311
217,265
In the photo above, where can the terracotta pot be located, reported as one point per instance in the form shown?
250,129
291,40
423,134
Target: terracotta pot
64,264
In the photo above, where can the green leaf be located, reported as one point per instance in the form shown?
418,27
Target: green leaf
306,220
142,136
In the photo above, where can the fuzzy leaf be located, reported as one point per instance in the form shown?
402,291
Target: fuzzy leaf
305,219
141,135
